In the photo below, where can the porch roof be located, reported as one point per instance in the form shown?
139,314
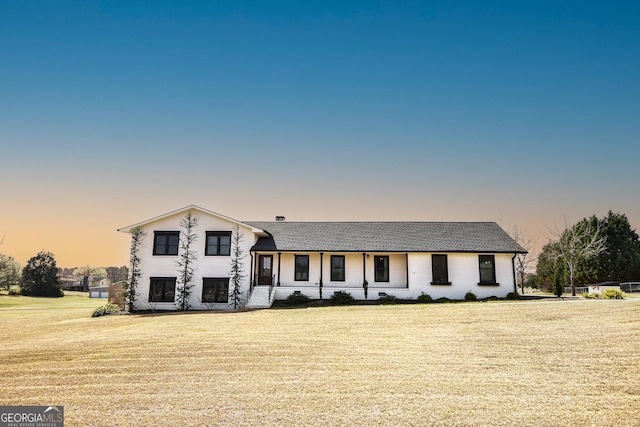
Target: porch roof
384,237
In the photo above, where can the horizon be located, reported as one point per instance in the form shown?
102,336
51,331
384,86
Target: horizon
115,112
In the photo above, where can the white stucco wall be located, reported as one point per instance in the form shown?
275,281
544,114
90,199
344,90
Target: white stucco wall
463,269
353,270
464,275
205,266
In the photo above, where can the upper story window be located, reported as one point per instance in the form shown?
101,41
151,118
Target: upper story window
302,268
381,268
166,242
218,243
487,269
337,268
439,270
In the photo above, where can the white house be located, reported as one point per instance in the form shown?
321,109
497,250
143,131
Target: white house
365,259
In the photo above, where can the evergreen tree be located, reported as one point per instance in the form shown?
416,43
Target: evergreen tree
237,269
548,270
40,277
186,261
131,284
621,260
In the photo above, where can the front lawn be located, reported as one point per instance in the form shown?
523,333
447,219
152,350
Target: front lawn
502,363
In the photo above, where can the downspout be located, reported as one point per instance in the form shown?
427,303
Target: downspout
279,257
251,278
513,266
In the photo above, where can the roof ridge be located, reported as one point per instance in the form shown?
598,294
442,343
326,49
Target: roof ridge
373,222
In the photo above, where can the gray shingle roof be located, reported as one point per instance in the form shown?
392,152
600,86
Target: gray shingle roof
385,237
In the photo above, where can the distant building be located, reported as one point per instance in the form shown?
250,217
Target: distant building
599,288
99,292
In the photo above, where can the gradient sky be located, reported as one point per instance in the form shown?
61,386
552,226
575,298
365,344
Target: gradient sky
114,112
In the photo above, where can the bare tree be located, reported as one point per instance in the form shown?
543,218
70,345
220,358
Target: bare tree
581,242
525,261
186,260
9,272
87,271
117,274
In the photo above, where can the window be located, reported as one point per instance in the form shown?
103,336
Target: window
162,289
215,290
218,243
487,270
166,242
302,268
382,268
439,270
337,268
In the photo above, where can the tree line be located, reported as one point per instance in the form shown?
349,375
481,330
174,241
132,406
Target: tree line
591,251
40,276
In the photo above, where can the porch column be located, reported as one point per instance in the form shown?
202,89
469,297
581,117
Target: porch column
320,287
279,257
255,270
406,260
365,284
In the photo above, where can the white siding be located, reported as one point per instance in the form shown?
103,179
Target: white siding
463,269
205,266
464,275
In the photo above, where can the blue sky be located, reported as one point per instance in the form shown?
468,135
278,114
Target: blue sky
113,112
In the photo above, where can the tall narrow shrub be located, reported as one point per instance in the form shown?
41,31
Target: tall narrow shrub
186,260
237,269
131,284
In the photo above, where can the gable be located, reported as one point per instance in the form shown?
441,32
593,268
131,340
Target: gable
173,218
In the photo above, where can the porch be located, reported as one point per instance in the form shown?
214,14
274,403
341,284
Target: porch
335,270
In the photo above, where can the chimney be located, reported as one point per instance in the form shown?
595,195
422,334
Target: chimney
280,218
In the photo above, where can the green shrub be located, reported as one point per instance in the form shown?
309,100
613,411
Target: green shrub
612,294
443,299
590,296
513,295
424,298
491,298
106,310
342,298
297,298
388,299
470,296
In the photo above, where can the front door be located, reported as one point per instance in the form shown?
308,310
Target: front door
265,270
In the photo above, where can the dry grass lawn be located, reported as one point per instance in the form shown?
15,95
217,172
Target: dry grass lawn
535,363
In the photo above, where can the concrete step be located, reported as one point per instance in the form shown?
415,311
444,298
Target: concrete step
261,297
